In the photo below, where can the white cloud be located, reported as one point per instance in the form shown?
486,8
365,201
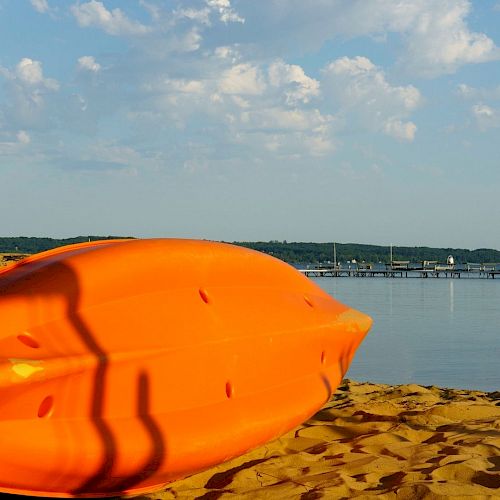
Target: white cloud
23,137
483,111
40,5
434,35
26,89
191,69
319,145
354,67
88,63
284,119
230,53
246,105
186,86
439,41
366,83
468,92
199,15
191,41
284,132
113,22
465,90
226,13
299,86
360,91
400,130
30,73
486,116
154,10
242,79
240,102
13,144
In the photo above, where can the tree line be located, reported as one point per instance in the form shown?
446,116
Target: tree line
292,252
314,253
22,244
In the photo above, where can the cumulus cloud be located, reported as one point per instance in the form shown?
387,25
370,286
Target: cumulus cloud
200,65
258,104
23,137
360,91
366,84
29,73
484,93
483,111
439,40
220,8
400,130
188,86
226,13
284,132
284,119
242,79
171,86
465,90
40,6
299,86
27,89
114,22
201,16
13,143
486,116
88,63
226,52
435,38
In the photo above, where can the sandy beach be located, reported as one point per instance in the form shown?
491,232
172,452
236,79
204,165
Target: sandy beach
370,440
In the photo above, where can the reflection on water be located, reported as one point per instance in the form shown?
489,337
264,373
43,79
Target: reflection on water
427,331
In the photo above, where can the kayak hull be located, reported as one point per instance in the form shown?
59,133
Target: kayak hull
125,365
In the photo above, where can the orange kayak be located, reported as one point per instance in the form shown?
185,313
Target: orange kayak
127,364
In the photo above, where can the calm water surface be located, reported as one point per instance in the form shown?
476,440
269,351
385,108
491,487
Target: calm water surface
427,331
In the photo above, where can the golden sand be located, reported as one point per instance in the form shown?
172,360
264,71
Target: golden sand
370,440
7,259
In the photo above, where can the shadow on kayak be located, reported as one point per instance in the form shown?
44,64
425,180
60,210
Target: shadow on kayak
64,282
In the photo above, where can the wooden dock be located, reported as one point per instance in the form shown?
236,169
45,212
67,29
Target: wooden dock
397,272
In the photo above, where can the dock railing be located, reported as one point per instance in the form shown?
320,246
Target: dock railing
444,267
473,267
397,265
365,266
488,266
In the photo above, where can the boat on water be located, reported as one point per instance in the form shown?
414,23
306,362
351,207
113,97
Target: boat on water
128,364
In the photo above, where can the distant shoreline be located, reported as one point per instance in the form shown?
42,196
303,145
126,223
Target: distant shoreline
292,252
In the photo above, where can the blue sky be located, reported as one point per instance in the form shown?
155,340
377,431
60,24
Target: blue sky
348,120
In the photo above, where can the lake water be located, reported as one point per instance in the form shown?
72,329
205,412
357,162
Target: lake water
442,332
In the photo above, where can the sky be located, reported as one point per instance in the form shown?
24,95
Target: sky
240,120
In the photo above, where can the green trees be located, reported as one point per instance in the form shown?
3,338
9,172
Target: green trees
299,252
293,252
23,244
